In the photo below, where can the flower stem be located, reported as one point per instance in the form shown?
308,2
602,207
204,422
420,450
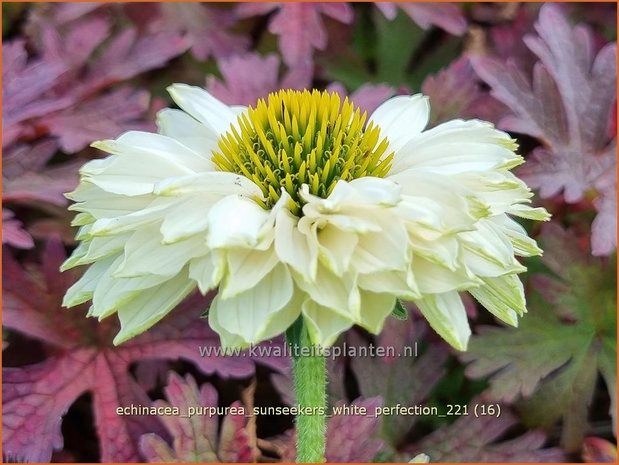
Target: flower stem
310,387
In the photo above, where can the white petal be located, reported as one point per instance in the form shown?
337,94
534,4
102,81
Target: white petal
503,297
293,247
145,254
499,190
374,309
401,118
95,249
84,288
153,213
285,317
447,316
158,147
396,283
522,243
433,278
385,250
235,221
375,191
217,183
151,305
457,146
324,325
182,127
487,251
203,107
111,293
249,313
246,267
338,293
335,248
524,211
76,256
142,160
98,203
207,270
423,214
444,250
459,206
133,175
354,220
366,191
187,217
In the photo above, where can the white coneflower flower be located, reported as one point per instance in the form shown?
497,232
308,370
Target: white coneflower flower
298,207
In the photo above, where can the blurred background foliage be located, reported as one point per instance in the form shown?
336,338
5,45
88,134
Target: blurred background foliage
74,73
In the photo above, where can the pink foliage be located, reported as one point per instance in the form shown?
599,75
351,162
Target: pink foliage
343,436
13,232
197,438
299,26
36,397
75,66
78,72
479,437
456,92
367,97
567,105
205,29
447,16
246,78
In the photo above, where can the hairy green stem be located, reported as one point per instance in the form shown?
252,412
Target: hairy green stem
310,388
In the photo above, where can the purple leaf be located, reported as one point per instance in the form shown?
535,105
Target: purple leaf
344,431
47,186
13,233
567,105
247,78
23,158
101,117
75,47
85,360
129,54
367,97
455,93
23,85
404,379
35,399
506,38
204,28
60,94
299,26
343,435
447,16
604,227
195,437
472,439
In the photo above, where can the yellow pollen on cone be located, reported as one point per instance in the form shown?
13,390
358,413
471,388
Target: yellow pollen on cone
302,137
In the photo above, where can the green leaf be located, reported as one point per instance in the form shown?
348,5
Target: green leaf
396,42
553,361
399,311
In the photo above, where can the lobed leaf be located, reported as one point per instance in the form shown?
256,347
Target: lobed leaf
299,26
553,359
472,439
196,438
36,397
567,105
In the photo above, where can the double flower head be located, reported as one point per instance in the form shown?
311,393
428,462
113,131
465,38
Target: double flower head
302,207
